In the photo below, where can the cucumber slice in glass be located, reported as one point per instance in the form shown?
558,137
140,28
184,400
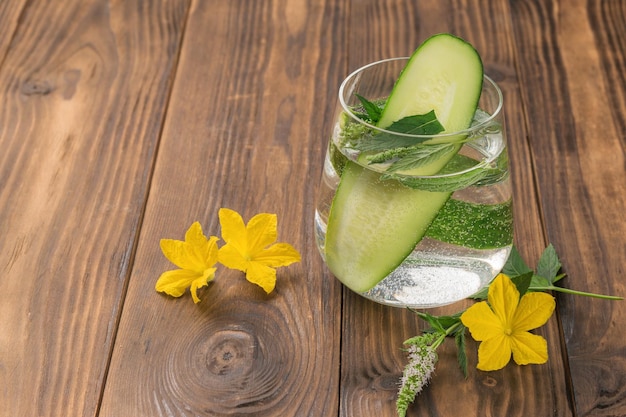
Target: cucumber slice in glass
375,224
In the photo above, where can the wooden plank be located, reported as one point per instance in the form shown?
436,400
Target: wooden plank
85,86
369,380
10,12
572,65
246,130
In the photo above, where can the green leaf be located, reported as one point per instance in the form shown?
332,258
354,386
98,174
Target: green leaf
420,124
539,282
460,172
515,264
373,111
480,295
448,321
425,124
371,142
522,282
417,156
433,321
549,264
410,156
459,339
440,324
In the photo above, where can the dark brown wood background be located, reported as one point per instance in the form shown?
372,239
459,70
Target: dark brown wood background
122,122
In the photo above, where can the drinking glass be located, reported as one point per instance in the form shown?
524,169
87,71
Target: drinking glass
409,240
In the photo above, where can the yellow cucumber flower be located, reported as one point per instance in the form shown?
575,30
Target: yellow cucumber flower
503,325
196,257
250,248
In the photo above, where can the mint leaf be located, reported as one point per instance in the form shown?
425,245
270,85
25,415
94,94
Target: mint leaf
449,183
539,282
480,295
408,152
549,264
421,124
515,264
425,124
433,321
410,156
384,142
470,172
459,339
522,282
384,156
440,324
420,155
372,110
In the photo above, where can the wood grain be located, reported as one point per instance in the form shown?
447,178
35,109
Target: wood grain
251,126
578,150
79,127
10,12
123,121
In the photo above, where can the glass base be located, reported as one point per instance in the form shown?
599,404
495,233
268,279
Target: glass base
427,280
435,274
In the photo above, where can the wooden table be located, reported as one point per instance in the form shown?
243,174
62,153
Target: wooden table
122,122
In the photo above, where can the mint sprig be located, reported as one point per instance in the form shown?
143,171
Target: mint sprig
411,157
406,151
419,124
544,279
423,124
441,327
449,183
444,326
399,147
372,110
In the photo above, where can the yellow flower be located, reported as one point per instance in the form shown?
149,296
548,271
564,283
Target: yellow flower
248,247
504,327
196,257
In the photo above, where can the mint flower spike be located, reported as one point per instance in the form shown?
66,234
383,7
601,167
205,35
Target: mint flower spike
417,373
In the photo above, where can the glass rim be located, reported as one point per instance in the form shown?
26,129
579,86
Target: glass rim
478,126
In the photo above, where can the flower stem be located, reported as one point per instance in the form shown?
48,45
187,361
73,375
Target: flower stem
575,292
442,336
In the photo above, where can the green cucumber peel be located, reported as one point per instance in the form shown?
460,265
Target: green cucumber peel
374,225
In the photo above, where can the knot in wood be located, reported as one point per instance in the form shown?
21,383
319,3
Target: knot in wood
490,382
33,87
230,352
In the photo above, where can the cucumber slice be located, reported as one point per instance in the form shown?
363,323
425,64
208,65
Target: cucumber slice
373,224
445,74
